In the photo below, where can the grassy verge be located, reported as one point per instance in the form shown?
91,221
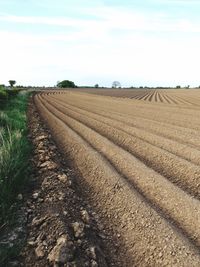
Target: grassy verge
15,152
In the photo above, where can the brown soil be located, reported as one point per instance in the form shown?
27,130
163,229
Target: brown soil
169,96
146,193
63,229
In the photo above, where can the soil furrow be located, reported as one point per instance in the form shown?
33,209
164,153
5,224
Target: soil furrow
184,136
138,110
185,175
136,222
155,187
160,96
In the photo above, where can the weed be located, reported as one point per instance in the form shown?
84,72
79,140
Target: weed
14,154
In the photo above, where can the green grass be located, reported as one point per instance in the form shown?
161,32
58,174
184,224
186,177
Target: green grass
15,151
14,154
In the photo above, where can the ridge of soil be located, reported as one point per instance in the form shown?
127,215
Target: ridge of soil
155,219
62,229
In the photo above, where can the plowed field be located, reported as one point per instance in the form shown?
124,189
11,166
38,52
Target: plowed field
140,159
177,97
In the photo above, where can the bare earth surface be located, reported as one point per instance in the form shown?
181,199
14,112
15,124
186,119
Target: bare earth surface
138,161
62,228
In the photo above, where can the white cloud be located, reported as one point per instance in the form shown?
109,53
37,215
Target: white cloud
114,18
133,47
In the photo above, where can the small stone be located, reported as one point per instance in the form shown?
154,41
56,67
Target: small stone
79,242
37,222
52,166
61,196
94,263
31,243
63,178
19,197
49,164
45,164
92,253
65,212
41,151
35,195
45,243
41,137
39,251
78,228
60,253
85,216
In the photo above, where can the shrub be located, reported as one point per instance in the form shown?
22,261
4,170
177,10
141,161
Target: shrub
3,95
12,82
66,84
14,153
13,168
13,92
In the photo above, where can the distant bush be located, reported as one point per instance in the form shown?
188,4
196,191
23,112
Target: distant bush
14,154
66,84
6,94
13,92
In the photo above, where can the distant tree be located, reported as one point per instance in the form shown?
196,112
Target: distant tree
116,84
66,84
96,85
178,87
12,82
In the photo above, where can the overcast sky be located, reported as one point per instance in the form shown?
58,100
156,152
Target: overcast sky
138,42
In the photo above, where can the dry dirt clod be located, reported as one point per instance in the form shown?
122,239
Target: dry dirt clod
60,253
94,263
54,209
63,178
31,243
91,252
49,164
35,195
65,212
85,216
78,228
37,222
19,197
40,251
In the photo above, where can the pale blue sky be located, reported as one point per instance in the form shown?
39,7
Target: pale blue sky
141,42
